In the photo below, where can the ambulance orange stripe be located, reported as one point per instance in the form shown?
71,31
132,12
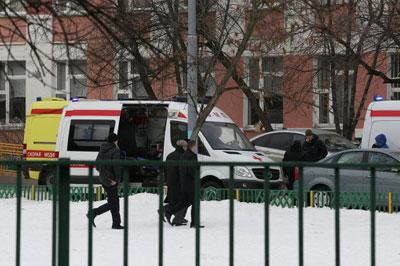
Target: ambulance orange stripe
46,111
387,113
93,113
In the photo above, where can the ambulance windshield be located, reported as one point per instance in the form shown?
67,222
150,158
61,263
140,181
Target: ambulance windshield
225,136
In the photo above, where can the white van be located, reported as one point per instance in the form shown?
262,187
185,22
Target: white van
382,118
149,130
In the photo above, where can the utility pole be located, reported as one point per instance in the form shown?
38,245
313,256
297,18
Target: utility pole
192,67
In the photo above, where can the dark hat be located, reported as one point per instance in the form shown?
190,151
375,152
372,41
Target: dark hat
309,132
112,137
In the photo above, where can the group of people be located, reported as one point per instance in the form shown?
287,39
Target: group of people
180,181
312,150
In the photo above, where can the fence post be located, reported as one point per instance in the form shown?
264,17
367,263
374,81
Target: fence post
372,209
300,207
231,217
197,212
18,241
63,214
161,216
266,215
126,215
337,218
90,216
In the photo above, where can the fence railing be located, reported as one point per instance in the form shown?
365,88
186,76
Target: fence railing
60,192
390,201
9,151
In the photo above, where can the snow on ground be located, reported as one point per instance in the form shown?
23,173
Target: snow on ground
179,241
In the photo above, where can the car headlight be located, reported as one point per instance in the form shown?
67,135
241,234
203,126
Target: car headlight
242,171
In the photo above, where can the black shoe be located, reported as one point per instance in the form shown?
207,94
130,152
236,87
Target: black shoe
94,216
179,222
168,216
159,214
117,227
193,226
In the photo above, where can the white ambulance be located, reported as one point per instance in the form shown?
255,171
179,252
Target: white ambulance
382,117
149,130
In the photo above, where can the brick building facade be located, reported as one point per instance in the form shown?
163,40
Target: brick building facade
63,74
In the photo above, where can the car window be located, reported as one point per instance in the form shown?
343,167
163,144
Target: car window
263,141
280,141
351,157
381,158
299,137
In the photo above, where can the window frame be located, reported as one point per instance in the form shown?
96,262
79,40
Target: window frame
11,13
68,77
69,10
131,78
260,90
71,132
7,90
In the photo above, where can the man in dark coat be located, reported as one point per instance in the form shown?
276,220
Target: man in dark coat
314,149
110,176
187,175
173,180
295,154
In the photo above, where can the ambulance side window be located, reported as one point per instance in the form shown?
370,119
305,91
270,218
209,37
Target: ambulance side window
178,131
89,135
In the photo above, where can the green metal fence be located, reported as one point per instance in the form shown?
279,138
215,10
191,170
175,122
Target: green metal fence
61,193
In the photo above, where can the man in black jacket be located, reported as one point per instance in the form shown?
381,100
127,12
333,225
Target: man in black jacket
295,154
173,181
314,149
187,175
110,176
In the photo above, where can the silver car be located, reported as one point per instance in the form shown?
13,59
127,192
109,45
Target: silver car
353,179
276,143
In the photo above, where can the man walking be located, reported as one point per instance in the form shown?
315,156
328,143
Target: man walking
187,175
110,176
314,149
173,182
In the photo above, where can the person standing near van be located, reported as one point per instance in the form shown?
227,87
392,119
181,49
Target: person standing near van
110,176
380,142
314,149
173,180
295,154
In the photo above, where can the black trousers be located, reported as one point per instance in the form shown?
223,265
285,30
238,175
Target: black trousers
111,205
185,201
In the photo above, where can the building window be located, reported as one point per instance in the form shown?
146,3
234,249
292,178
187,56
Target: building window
265,80
71,79
207,72
395,73
12,92
324,88
130,84
12,6
68,6
272,68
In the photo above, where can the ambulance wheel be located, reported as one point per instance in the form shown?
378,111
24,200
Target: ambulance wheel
46,177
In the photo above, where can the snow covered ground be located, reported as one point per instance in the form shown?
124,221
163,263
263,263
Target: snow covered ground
179,241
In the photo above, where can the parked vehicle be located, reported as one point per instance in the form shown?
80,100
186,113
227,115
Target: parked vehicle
353,179
382,118
149,130
276,143
40,135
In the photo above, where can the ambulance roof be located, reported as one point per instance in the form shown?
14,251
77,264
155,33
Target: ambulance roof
181,108
384,105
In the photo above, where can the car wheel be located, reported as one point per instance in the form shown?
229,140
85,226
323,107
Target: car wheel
321,197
